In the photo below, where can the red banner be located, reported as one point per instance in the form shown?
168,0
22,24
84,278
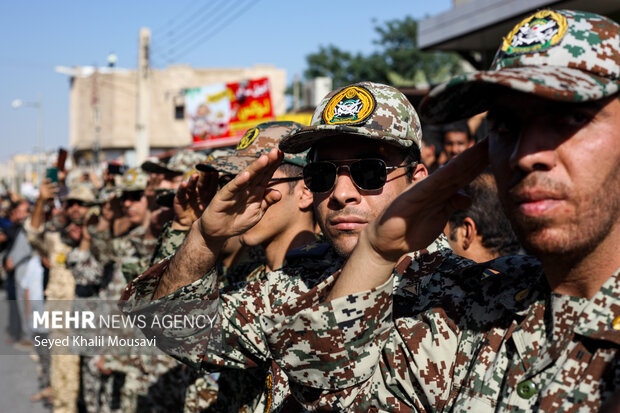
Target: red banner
223,110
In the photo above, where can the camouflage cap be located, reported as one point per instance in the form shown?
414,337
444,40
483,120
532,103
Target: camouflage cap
180,163
366,109
256,141
106,194
134,179
564,55
81,192
154,167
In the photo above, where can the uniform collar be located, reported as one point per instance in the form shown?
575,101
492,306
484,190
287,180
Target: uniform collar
600,319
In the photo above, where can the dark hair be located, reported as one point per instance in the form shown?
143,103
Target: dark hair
291,170
486,212
460,126
15,204
413,155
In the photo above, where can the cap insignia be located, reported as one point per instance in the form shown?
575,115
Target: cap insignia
130,177
248,138
535,33
352,105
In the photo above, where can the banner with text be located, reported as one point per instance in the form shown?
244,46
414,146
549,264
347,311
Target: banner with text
228,109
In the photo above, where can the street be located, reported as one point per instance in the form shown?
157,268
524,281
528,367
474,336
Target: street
18,377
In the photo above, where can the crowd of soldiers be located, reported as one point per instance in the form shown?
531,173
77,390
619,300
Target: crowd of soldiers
351,271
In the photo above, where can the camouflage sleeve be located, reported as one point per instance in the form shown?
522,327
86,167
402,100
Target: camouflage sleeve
341,341
186,344
100,244
393,348
168,243
35,236
142,288
85,268
241,343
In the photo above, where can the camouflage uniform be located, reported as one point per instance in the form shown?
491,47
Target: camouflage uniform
389,117
447,335
64,368
244,345
87,272
61,287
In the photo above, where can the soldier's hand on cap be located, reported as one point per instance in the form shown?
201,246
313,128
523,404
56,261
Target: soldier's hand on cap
240,204
192,198
206,189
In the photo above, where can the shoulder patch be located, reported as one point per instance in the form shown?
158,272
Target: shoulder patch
535,33
352,105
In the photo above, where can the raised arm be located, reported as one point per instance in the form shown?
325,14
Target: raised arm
47,191
410,223
234,209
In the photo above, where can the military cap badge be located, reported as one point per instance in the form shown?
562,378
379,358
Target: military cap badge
351,105
248,138
537,32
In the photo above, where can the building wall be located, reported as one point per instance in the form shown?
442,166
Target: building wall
112,94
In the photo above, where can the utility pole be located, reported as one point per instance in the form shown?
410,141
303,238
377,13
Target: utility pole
144,96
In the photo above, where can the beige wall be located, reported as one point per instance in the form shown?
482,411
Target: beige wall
114,93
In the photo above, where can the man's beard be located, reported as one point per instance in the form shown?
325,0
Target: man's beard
574,237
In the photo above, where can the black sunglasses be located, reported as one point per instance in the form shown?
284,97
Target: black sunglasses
133,196
366,174
72,202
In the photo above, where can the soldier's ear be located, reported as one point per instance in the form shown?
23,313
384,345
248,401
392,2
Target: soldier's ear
305,196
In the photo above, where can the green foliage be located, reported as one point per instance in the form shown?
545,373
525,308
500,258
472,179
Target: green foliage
399,61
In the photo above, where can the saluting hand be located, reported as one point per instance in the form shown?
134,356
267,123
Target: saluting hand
240,204
192,198
417,216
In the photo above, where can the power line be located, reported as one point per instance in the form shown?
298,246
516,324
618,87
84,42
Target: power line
216,29
220,15
176,17
196,15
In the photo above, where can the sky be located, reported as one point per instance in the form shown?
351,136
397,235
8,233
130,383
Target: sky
39,35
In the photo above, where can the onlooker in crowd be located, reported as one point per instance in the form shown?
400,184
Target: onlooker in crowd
33,284
18,252
481,232
57,237
456,138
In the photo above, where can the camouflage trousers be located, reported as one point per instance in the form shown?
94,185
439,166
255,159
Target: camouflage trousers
65,380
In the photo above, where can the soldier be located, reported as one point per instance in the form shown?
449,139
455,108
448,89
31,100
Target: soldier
510,334
382,130
58,244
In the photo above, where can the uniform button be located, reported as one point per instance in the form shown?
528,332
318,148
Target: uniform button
526,389
616,323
